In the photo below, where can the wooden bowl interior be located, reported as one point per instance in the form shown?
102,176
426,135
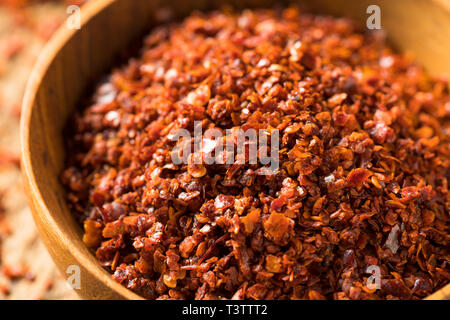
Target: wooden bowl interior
75,59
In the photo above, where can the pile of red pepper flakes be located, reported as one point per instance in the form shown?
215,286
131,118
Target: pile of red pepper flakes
364,164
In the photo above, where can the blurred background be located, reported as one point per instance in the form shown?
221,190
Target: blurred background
26,269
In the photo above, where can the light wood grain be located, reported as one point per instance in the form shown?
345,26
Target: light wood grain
75,59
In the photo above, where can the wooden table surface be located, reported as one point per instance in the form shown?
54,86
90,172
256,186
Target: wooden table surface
26,269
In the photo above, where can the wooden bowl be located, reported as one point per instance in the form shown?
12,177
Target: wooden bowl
75,59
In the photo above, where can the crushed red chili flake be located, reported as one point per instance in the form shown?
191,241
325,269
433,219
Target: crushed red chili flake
363,176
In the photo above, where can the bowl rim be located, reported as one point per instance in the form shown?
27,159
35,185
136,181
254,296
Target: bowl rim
34,196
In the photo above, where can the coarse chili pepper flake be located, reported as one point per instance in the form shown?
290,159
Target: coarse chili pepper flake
363,164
